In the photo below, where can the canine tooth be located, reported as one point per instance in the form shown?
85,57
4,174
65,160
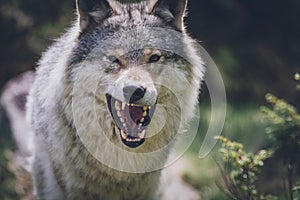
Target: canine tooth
145,108
119,114
123,105
145,114
140,125
142,120
143,134
149,107
118,106
124,135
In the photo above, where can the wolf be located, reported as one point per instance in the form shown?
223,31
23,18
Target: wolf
110,99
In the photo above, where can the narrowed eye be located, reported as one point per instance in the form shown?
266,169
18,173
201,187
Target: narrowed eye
114,60
154,58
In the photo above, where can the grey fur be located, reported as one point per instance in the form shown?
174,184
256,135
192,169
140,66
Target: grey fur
77,71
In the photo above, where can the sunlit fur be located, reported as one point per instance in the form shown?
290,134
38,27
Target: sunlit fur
67,107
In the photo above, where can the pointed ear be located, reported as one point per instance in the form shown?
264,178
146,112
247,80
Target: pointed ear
171,11
92,12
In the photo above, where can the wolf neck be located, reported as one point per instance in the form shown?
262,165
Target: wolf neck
117,156
96,176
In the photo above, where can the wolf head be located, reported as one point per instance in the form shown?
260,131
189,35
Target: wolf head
94,12
140,66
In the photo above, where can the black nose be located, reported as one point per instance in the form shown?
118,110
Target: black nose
133,93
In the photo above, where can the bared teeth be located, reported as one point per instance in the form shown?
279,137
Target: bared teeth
142,136
124,135
123,105
120,108
133,139
118,105
119,114
145,114
130,120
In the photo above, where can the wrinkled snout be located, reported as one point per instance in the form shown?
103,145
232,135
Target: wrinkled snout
133,93
135,86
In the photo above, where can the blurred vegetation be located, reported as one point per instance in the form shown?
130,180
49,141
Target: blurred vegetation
242,170
7,189
254,43
283,129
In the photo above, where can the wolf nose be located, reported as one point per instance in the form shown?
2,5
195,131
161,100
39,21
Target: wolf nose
133,93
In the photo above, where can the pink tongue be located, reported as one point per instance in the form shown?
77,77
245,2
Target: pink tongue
136,113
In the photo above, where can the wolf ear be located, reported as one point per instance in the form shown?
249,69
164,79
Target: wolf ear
171,11
91,12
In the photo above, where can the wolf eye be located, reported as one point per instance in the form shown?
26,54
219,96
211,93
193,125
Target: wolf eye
154,58
114,60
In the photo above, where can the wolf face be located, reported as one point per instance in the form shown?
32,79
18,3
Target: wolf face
140,56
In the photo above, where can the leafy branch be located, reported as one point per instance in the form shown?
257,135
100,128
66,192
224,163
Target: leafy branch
241,169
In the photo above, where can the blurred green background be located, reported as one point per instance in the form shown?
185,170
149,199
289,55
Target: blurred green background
255,44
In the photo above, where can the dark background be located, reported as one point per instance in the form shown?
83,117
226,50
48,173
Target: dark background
255,44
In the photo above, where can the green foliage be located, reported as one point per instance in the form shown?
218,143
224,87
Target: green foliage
7,185
241,170
7,189
296,188
283,128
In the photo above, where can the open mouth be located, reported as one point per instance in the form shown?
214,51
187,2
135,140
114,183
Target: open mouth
131,120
